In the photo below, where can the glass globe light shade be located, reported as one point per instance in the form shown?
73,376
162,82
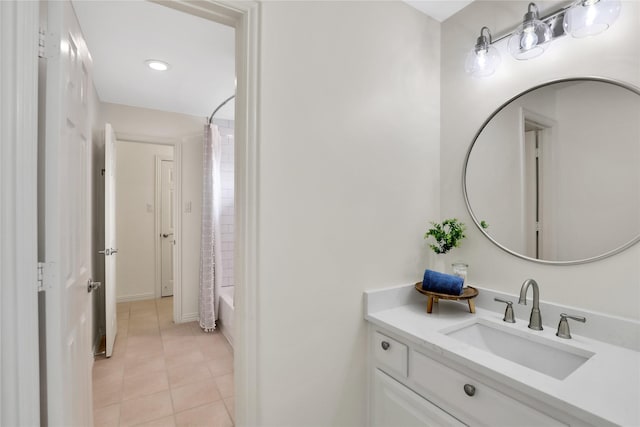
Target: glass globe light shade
482,62
590,17
530,39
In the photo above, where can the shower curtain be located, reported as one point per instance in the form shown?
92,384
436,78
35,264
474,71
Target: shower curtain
210,244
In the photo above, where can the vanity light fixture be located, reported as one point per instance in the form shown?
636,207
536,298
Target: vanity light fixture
157,65
483,59
590,17
580,19
531,37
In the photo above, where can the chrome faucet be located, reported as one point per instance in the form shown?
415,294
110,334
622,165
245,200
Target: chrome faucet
535,321
563,326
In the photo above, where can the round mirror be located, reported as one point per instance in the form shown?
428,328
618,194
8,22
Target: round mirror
553,175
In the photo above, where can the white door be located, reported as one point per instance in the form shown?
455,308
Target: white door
67,226
110,237
167,184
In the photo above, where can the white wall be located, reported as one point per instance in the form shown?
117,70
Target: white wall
466,102
348,181
135,218
187,132
151,123
494,180
603,181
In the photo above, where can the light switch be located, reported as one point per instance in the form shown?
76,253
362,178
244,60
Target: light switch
149,208
187,207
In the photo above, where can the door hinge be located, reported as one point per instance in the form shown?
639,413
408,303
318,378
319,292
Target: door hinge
538,226
47,44
40,276
46,275
41,43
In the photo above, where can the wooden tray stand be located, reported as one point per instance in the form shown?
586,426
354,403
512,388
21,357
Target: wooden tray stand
468,294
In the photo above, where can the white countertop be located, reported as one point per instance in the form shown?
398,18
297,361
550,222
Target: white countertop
606,386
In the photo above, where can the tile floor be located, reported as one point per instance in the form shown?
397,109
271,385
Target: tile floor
163,374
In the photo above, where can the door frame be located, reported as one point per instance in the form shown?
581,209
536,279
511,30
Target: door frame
19,348
245,17
158,222
20,404
546,243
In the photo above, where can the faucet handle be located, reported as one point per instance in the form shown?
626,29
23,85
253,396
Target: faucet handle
508,312
563,326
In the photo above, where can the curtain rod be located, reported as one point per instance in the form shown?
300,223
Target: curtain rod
220,106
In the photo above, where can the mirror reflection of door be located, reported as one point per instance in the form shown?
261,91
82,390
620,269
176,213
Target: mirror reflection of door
532,170
537,138
588,175
167,195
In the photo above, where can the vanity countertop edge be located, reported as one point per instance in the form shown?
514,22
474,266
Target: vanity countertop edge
605,388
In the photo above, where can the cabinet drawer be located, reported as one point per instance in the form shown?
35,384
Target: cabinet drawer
485,406
390,353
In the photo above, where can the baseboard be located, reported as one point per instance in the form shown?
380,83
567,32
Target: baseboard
189,317
138,297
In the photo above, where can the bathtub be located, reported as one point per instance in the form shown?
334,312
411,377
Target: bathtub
225,317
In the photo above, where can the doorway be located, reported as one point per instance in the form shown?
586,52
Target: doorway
141,212
244,17
533,189
537,139
145,323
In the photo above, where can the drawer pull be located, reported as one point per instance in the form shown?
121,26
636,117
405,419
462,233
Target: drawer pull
469,389
385,345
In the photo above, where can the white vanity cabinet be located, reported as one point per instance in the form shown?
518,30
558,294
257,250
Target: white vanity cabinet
410,388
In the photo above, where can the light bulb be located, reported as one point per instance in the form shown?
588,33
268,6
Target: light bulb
531,37
483,59
528,39
482,63
591,15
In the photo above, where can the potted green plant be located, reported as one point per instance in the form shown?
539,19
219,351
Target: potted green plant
447,235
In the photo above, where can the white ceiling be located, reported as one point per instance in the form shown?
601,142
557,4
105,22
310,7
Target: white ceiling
439,10
121,35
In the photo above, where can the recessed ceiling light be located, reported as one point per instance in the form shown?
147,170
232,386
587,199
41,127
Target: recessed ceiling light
157,65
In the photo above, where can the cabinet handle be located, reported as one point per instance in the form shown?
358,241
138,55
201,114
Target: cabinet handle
469,389
385,345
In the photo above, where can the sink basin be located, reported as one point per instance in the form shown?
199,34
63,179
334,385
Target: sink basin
540,354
